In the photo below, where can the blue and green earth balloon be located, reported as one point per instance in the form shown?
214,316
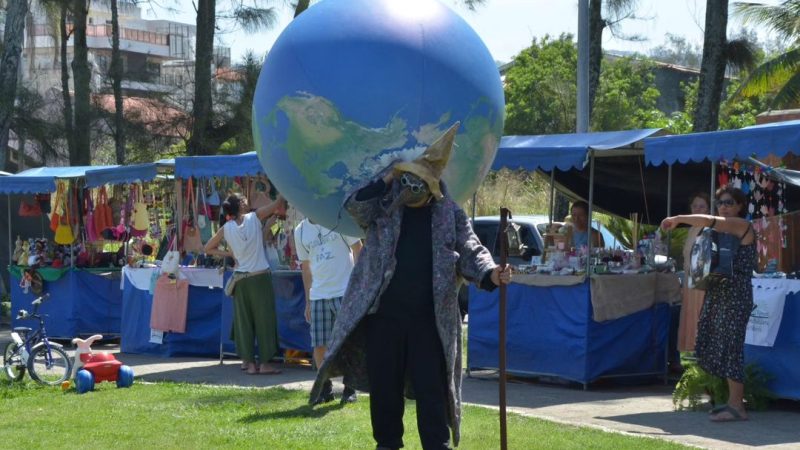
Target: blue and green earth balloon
351,86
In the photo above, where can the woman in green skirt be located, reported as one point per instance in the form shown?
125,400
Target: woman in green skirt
254,318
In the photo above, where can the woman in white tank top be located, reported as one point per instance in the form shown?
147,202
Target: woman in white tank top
254,317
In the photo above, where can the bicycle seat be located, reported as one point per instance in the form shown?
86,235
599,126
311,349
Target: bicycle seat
22,329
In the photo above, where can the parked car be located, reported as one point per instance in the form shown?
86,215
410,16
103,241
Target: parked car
531,230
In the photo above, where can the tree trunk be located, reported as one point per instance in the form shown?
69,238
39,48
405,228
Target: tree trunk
69,130
16,12
116,82
596,26
302,5
82,77
202,108
712,69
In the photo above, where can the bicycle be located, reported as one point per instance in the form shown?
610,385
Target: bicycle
46,362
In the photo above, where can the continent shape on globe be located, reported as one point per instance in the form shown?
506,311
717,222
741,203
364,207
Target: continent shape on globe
350,87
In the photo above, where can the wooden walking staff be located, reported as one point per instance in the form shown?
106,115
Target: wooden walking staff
505,214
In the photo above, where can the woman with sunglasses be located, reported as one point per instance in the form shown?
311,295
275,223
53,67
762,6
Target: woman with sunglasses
727,307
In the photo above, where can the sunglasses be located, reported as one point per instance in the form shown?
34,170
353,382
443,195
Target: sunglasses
415,186
727,202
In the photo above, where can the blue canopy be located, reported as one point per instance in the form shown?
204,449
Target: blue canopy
42,179
218,165
562,151
125,174
761,140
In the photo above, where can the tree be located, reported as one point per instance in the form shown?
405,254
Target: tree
779,75
81,74
9,68
616,12
712,68
677,50
116,83
718,53
540,88
64,34
204,140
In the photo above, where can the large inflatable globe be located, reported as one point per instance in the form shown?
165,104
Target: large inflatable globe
352,85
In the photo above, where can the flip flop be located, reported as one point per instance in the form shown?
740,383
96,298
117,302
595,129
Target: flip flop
718,408
735,416
268,372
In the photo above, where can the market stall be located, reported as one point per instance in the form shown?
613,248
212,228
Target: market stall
773,339
578,314
83,300
208,311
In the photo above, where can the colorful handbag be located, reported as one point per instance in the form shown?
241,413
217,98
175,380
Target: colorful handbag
88,218
141,218
192,242
29,209
102,212
55,216
64,234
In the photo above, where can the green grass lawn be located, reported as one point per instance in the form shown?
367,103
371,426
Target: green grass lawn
185,416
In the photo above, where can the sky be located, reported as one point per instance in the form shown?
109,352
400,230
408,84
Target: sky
508,26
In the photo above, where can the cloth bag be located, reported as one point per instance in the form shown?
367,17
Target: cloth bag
170,302
192,242
29,209
141,218
64,234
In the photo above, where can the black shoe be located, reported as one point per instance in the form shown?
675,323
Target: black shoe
326,395
349,395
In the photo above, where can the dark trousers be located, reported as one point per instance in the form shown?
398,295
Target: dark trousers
397,349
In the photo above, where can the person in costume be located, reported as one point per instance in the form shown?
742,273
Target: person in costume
399,327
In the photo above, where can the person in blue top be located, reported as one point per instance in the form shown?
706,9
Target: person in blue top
580,227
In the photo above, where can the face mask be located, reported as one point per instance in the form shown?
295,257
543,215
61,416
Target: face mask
414,192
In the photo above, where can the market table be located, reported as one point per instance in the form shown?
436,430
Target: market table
209,314
82,301
553,331
781,360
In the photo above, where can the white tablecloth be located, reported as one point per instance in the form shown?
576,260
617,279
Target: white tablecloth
197,276
769,297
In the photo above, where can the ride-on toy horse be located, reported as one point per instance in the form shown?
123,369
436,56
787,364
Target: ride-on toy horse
90,367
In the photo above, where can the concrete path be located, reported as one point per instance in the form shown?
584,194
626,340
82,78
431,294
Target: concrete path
637,410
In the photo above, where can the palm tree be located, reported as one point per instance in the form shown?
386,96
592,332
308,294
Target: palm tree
781,74
9,68
718,54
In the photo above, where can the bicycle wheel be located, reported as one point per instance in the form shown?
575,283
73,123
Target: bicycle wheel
12,362
52,368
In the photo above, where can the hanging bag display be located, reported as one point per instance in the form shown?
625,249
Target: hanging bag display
88,220
141,217
55,216
256,198
64,234
102,212
213,198
192,243
29,209
203,217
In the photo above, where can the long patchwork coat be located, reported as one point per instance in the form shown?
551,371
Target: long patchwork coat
457,255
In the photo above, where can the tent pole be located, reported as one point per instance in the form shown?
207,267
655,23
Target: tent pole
7,289
669,204
552,192
591,209
711,195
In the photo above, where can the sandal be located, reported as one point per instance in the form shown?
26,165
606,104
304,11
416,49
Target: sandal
733,415
268,371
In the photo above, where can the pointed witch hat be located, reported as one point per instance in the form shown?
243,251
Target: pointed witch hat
430,165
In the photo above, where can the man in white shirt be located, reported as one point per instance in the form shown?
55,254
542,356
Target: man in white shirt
327,258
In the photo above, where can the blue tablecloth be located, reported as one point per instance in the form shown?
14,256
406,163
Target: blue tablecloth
81,303
782,360
209,318
551,332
